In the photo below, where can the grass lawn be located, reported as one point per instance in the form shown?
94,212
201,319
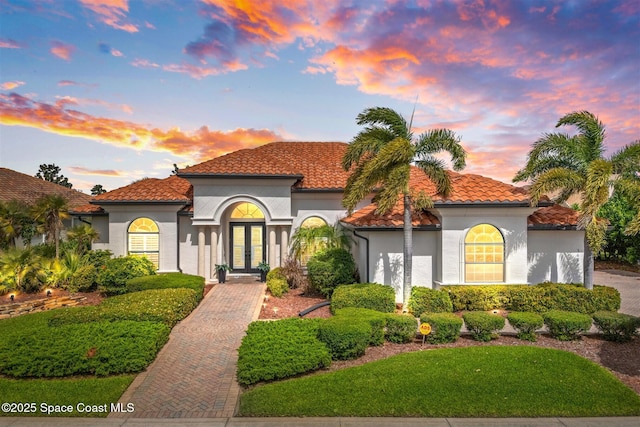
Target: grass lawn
72,391
519,381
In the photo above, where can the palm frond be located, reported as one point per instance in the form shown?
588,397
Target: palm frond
626,161
439,140
386,117
395,184
553,180
597,184
436,172
592,132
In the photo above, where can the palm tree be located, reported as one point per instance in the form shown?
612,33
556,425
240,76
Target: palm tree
20,268
83,235
50,211
576,165
15,222
308,240
381,156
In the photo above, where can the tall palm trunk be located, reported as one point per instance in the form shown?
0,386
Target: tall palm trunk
587,264
408,253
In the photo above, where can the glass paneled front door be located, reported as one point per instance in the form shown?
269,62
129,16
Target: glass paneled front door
247,241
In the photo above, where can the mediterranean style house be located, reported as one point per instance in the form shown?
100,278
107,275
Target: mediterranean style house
242,208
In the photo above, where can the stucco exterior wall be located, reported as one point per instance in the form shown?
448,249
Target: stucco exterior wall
456,223
121,216
386,258
327,206
556,256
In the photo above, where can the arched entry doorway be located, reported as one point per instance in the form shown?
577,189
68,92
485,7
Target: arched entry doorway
247,238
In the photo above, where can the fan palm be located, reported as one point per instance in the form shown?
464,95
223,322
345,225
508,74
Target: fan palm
576,164
14,222
83,235
382,155
50,211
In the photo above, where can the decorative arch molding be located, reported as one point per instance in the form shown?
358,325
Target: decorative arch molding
299,221
228,205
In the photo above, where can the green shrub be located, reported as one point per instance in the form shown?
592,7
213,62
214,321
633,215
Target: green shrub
276,273
425,300
445,327
482,325
526,323
401,328
95,348
617,327
540,298
373,296
277,287
280,349
113,276
566,325
330,268
345,338
376,319
167,281
158,305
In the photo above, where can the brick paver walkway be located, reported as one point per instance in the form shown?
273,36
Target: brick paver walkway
194,374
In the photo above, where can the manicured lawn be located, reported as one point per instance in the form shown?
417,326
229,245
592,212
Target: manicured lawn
72,391
492,381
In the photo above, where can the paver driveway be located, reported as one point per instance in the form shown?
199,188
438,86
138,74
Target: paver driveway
194,374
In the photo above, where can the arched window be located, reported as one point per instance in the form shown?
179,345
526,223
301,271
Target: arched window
484,255
246,210
143,239
313,222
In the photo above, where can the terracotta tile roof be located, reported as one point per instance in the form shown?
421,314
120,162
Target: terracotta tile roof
553,216
470,188
318,164
27,189
87,209
367,218
150,190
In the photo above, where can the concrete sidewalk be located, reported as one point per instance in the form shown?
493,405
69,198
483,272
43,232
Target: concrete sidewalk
325,422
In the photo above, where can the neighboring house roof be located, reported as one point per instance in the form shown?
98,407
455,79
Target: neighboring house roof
28,189
317,165
149,190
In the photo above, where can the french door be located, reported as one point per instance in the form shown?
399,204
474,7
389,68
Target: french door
247,246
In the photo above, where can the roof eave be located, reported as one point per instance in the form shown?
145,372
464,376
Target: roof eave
566,227
241,176
140,202
510,204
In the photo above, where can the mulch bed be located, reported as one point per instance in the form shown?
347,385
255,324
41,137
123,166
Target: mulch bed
623,360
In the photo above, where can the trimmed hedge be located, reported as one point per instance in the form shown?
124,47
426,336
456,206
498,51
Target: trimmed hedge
376,319
482,325
280,349
277,287
345,338
373,296
445,327
95,348
167,281
425,300
526,324
539,298
330,268
113,275
401,328
168,306
618,327
566,325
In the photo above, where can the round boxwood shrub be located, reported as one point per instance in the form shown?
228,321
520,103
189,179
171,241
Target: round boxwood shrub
482,325
345,338
526,323
278,287
330,268
445,327
115,273
373,296
426,300
276,273
401,328
566,325
618,327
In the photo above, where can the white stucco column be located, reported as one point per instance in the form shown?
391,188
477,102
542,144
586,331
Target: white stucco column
214,251
201,251
284,243
272,246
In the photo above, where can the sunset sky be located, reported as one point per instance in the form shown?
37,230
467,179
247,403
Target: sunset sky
116,90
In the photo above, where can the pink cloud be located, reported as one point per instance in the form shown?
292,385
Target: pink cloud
100,172
62,50
11,85
9,44
112,13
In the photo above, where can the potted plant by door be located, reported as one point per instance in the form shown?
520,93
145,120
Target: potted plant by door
264,269
222,272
